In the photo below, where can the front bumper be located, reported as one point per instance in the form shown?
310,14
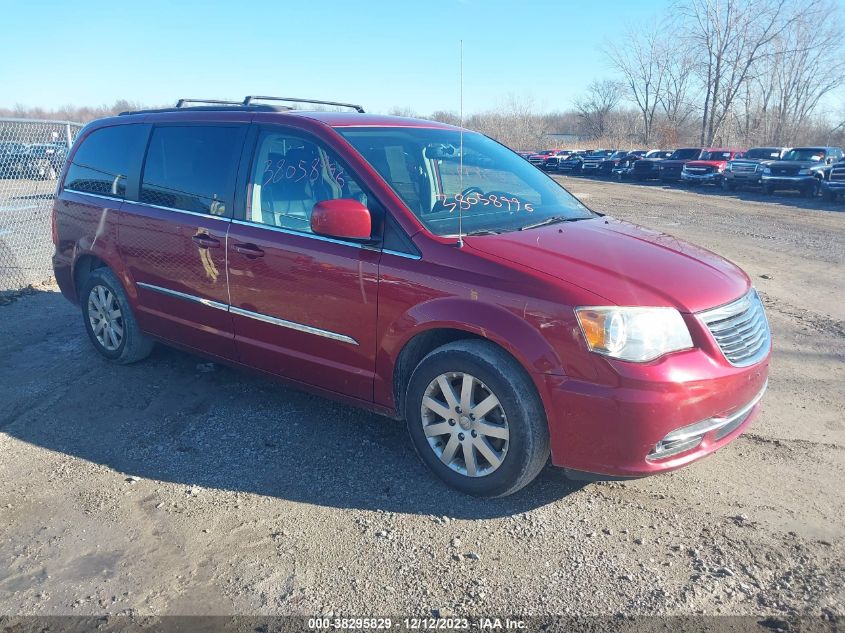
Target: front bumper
614,431
836,186
705,178
788,182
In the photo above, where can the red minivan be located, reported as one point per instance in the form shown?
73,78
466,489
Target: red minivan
419,270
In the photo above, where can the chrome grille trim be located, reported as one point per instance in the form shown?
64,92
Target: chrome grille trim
689,437
745,168
741,330
837,174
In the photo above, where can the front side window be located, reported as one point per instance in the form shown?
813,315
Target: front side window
105,159
290,175
192,168
490,187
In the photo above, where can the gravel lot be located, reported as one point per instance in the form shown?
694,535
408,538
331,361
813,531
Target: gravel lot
180,487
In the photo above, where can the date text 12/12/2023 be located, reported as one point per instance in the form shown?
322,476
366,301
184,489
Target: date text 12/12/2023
415,623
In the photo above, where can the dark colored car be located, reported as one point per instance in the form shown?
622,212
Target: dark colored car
45,160
624,168
748,170
591,162
648,167
670,170
801,169
709,167
418,270
607,166
552,162
572,164
833,183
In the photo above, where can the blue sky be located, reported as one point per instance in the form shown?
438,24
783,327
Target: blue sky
379,54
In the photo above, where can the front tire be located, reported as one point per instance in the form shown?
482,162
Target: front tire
109,319
475,419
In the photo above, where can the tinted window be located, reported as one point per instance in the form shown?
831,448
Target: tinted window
192,168
685,154
106,158
290,175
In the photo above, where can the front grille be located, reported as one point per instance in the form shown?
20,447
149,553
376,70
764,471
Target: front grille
699,170
743,168
785,171
837,174
644,166
740,329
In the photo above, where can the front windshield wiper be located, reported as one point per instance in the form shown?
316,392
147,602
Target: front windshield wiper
550,220
483,232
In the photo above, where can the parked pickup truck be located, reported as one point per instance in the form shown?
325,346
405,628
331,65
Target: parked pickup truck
590,166
708,169
645,168
833,183
748,169
552,162
571,165
670,169
801,169
607,166
538,158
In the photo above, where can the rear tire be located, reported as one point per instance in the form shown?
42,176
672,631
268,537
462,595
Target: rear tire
505,447
109,319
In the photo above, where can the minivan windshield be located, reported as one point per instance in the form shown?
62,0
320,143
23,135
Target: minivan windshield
493,189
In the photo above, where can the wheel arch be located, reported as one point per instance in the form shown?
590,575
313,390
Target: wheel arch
442,321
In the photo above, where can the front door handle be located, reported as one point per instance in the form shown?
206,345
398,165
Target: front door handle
203,240
250,251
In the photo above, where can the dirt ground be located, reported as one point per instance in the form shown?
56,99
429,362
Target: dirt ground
179,487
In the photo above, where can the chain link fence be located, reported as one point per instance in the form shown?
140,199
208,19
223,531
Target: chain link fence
32,153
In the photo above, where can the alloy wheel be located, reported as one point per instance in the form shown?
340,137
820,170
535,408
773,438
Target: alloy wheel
465,424
105,317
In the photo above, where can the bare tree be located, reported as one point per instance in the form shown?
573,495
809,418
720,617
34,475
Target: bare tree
807,65
595,107
642,60
731,35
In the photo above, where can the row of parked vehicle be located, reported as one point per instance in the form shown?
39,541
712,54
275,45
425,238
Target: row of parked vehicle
41,161
809,170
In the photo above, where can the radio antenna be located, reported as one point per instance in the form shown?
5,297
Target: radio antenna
461,150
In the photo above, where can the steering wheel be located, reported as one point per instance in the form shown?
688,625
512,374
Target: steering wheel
470,190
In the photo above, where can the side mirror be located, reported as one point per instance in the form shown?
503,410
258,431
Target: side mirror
343,218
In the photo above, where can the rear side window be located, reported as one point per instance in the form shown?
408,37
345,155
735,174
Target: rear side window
106,159
192,168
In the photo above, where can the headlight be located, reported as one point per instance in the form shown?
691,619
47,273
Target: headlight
633,334
805,172
767,171
727,167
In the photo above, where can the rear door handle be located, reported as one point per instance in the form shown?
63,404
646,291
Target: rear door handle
250,251
205,241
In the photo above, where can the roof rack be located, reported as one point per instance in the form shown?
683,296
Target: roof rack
248,101
181,103
247,104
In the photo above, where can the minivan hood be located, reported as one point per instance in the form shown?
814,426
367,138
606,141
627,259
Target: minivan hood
624,263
